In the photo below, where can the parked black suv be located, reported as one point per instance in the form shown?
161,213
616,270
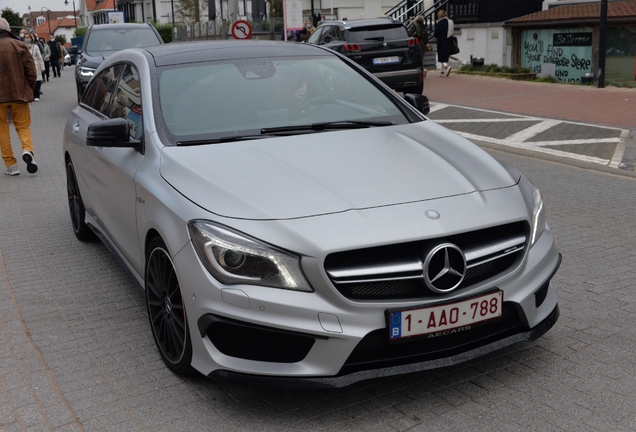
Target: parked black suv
382,46
103,40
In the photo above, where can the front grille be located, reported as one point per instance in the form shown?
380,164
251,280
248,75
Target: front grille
374,350
394,272
251,342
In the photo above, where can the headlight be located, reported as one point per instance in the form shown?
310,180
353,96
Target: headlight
234,258
538,216
86,72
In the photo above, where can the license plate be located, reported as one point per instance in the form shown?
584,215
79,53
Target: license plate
445,319
386,60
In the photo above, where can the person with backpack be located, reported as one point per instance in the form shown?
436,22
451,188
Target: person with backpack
420,31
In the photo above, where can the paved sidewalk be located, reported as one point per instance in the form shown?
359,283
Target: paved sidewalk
609,106
585,124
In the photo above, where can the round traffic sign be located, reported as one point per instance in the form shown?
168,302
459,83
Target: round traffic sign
241,29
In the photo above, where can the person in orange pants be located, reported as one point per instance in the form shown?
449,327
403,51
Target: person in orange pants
18,76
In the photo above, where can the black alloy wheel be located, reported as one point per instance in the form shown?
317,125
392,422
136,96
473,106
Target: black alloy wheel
166,310
76,206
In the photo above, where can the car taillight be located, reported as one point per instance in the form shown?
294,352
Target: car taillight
413,41
352,47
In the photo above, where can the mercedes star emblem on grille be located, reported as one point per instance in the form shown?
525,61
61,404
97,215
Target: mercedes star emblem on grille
444,268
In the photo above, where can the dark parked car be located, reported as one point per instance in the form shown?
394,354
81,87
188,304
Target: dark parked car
74,53
103,40
382,46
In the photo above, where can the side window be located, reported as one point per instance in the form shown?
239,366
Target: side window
340,33
105,82
89,93
127,101
329,35
315,36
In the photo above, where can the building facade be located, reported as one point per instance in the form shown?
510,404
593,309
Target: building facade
564,41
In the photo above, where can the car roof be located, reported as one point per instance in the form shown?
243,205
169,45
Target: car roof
192,52
119,26
366,22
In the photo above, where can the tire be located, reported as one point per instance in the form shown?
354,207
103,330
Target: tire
166,310
76,206
419,89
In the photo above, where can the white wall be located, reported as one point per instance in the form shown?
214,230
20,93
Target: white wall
67,32
487,41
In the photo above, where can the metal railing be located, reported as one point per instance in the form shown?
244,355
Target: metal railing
457,10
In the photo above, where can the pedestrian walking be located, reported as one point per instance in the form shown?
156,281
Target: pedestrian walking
63,53
55,56
18,74
46,56
31,43
444,29
420,31
38,41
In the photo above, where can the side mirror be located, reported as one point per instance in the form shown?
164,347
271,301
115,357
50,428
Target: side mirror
110,133
420,102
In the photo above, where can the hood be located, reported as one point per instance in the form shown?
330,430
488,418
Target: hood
93,61
329,172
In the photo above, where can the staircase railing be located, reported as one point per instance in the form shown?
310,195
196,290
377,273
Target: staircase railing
457,10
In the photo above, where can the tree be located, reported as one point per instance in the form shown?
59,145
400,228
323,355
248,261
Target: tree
191,11
13,18
276,8
80,31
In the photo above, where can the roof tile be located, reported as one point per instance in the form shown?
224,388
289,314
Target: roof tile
616,10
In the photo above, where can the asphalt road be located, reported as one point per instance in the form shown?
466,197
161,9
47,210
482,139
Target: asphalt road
76,351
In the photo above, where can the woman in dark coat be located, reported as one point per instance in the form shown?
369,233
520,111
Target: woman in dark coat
444,29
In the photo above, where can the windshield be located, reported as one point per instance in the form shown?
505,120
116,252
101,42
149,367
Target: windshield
107,41
241,97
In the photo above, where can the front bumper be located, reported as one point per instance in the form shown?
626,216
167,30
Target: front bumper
345,380
260,335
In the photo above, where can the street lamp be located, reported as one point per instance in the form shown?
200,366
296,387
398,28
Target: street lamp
74,17
48,16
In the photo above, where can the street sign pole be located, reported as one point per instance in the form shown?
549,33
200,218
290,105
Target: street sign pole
602,37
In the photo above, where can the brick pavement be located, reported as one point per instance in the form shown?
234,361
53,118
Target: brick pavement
602,145
609,106
76,352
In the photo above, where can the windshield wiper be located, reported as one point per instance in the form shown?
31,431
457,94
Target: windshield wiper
223,139
347,124
377,38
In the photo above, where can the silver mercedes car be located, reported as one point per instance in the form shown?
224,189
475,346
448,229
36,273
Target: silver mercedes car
295,222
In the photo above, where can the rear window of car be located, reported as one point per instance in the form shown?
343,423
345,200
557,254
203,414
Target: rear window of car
111,40
381,33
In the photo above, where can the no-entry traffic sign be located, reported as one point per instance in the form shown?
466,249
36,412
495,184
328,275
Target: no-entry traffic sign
241,29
